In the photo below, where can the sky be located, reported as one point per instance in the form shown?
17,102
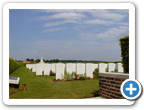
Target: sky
67,34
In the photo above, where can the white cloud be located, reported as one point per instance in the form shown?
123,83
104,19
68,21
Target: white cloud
108,34
53,30
59,23
98,21
116,15
112,32
63,16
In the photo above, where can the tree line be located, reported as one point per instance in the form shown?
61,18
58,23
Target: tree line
46,61
68,61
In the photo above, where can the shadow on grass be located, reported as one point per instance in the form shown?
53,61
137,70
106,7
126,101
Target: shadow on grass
95,93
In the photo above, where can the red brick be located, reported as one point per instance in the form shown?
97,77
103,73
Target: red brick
104,93
103,80
119,95
104,87
118,90
112,82
100,83
123,80
103,77
117,86
116,79
108,81
112,89
118,83
100,89
112,86
107,78
104,90
112,93
107,84
107,91
112,96
100,76
107,88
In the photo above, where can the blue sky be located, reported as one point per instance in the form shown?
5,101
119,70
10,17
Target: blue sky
67,34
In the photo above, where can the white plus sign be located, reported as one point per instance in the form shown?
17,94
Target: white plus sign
131,89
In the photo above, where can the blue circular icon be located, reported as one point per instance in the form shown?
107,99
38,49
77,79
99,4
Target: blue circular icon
130,89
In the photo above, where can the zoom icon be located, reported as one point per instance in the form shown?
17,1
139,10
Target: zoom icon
132,89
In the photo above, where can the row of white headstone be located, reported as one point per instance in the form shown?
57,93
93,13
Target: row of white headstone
78,68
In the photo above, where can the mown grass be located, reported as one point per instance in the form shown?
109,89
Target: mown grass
43,87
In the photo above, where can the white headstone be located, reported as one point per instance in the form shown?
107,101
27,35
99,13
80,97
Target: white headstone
53,67
111,67
27,65
102,67
60,71
80,68
39,69
47,68
90,67
70,67
119,67
30,66
34,68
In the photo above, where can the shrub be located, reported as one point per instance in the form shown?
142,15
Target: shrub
22,64
115,70
88,78
13,65
82,77
124,44
52,73
95,74
106,70
74,74
67,76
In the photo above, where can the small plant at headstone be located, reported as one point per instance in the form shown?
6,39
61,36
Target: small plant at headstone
74,74
52,73
82,77
115,70
106,70
67,76
96,74
88,78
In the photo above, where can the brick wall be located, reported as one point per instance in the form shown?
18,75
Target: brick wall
110,83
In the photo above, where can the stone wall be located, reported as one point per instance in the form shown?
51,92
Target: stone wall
110,83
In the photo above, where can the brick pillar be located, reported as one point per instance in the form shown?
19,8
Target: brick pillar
110,83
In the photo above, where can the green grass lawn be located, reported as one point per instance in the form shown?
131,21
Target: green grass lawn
43,87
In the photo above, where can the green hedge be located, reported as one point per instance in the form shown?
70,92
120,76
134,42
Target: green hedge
124,44
13,65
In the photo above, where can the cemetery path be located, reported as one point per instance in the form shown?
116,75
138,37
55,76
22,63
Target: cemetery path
43,87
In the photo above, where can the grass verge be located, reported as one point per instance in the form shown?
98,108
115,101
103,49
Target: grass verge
43,87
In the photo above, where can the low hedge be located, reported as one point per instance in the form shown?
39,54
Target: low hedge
13,65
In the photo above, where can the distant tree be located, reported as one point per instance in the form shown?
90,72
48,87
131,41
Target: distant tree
53,60
46,61
37,60
31,59
27,59
57,60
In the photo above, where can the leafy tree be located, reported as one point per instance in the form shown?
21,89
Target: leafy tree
53,60
32,60
37,60
27,59
46,61
57,60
